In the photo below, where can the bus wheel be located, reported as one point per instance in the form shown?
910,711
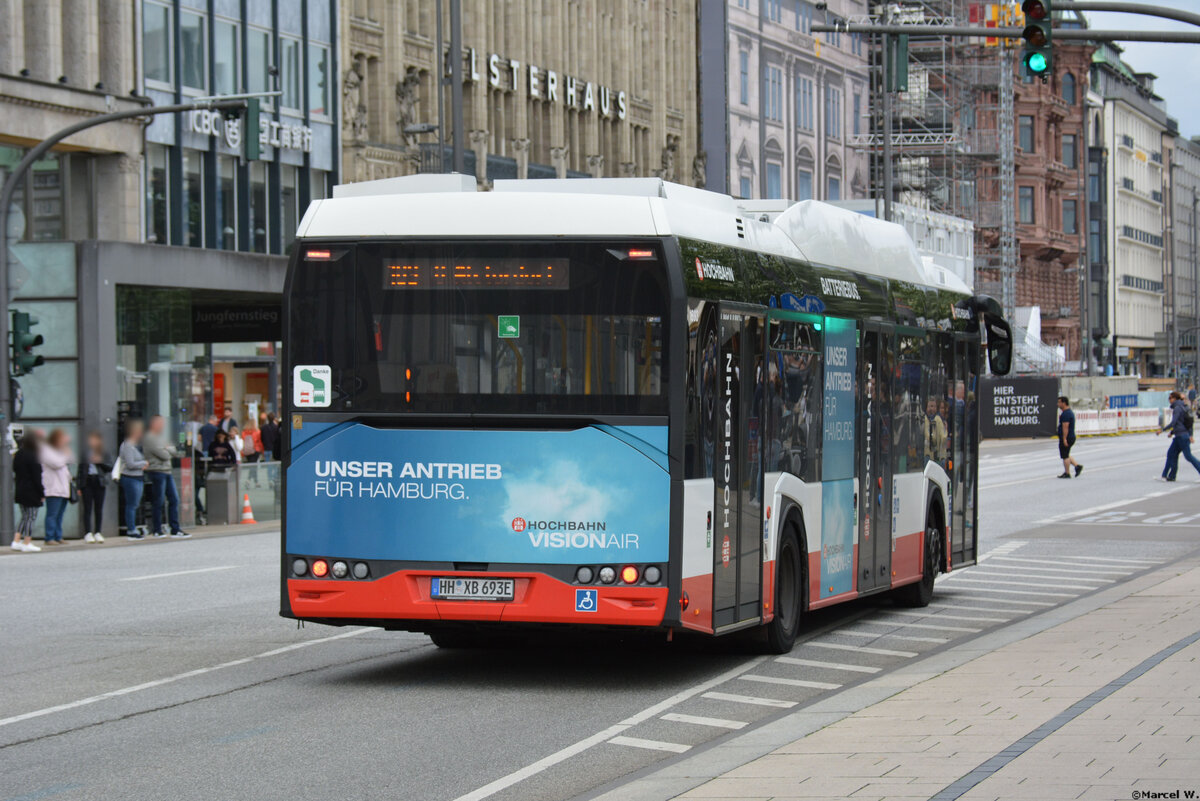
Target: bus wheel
453,638
790,573
921,593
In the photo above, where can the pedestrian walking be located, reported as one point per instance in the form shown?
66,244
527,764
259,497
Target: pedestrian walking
236,442
159,452
56,458
1180,428
207,432
1066,437
28,492
132,470
269,435
95,470
228,422
252,446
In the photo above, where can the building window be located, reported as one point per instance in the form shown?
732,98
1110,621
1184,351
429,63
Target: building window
804,184
1069,89
1025,204
835,188
225,58
744,188
318,80
857,114
1093,182
1025,133
288,201
258,206
774,10
227,202
774,180
804,103
773,94
317,180
804,17
289,73
258,62
1095,253
833,112
193,198
1070,222
156,194
743,3
744,77
1069,154
156,43
192,61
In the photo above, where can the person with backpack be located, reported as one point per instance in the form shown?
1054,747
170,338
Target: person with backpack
1180,426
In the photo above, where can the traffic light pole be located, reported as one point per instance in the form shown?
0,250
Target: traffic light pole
6,195
1081,35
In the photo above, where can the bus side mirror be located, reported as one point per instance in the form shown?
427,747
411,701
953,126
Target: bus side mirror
999,344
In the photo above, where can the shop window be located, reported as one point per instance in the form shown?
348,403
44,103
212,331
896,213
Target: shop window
258,61
225,58
288,201
156,43
157,188
193,198
289,72
192,61
318,80
227,202
258,206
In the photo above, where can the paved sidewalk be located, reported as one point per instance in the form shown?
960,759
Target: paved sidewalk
1103,706
197,532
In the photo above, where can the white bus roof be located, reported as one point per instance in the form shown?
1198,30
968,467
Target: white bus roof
448,206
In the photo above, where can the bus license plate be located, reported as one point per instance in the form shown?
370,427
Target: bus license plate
471,589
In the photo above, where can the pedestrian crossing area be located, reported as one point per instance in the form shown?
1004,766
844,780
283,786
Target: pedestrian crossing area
1005,586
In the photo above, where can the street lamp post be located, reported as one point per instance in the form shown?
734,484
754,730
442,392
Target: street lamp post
6,195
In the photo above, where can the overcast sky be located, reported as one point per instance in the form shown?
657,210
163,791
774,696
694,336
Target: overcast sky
1176,65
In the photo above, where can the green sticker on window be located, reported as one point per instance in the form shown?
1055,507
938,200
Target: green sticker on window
508,326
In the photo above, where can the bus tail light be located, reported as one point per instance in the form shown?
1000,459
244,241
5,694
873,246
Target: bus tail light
361,570
320,568
299,567
629,574
639,254
584,575
652,574
684,600
318,255
607,575
340,569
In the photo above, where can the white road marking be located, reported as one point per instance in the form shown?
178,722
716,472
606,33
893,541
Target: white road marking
650,745
814,685
700,720
1004,610
177,677
995,582
791,660
1020,592
837,646
920,626
180,573
1035,580
1085,560
750,699
1099,571
876,634
563,754
938,616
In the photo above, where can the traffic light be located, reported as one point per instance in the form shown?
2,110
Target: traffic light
1038,37
23,343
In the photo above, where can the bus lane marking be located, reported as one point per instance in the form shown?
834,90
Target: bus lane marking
180,573
700,720
650,745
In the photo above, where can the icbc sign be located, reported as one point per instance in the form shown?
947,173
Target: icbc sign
518,524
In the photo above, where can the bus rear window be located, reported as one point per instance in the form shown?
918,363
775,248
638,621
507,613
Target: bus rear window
495,328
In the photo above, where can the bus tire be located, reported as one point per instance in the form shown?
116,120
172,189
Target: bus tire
791,571
445,638
920,593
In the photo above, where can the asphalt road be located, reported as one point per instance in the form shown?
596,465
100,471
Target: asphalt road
161,670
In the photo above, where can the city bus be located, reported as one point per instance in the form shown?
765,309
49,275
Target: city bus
620,404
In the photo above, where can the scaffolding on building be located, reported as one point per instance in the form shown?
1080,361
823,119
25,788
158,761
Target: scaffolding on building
952,131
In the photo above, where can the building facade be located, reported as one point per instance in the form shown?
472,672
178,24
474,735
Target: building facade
792,100
1184,284
550,89
1132,126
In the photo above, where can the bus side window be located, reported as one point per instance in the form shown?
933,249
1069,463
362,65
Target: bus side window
794,398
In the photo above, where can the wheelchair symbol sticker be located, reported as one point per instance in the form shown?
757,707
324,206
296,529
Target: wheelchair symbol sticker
585,600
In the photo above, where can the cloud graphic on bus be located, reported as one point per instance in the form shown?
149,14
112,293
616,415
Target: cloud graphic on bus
558,491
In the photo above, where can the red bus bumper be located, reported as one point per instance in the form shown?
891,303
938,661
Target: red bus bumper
537,598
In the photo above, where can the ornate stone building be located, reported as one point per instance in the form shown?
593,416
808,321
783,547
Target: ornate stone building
551,88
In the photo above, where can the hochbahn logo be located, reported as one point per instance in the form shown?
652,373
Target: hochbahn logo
710,269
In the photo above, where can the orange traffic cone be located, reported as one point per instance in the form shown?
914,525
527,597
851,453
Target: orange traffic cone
247,512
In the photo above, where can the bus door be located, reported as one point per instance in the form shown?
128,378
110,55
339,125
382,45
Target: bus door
875,442
738,467
965,444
